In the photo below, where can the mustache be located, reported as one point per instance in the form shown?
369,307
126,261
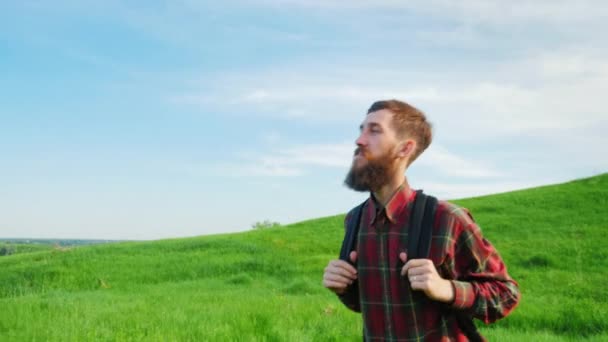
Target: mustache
360,150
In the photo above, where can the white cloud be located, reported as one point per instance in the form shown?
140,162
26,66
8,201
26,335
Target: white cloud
547,91
300,160
446,163
488,11
459,189
270,167
322,155
514,12
271,138
290,161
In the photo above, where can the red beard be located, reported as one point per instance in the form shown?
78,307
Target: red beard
376,173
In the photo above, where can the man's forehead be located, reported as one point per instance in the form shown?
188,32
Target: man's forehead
380,117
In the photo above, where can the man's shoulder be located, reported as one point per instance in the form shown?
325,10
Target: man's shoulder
451,211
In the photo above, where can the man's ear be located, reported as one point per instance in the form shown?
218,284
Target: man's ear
406,148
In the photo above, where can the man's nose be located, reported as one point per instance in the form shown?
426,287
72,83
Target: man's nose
361,140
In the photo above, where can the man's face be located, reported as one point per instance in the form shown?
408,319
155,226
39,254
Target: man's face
375,158
377,137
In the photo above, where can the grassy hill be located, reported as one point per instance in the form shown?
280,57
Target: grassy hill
266,284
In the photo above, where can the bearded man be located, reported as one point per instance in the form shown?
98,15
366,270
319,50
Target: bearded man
404,299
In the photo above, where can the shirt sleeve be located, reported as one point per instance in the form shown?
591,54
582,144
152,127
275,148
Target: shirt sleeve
482,286
350,298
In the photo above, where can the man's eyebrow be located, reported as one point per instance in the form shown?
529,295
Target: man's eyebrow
372,125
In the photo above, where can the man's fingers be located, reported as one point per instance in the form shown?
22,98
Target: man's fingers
343,265
339,271
403,256
353,256
418,262
417,278
414,263
335,287
343,272
334,284
417,271
338,278
339,275
418,285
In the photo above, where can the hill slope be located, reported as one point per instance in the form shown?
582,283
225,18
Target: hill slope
266,284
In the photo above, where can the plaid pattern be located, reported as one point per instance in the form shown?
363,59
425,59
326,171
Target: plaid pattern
391,310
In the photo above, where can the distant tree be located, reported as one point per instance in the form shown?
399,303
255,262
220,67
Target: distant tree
265,224
6,250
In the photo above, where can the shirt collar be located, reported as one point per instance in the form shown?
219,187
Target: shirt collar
396,205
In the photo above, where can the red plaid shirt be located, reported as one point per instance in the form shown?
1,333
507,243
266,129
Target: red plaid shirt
391,310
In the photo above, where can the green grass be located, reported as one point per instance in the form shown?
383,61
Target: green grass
265,285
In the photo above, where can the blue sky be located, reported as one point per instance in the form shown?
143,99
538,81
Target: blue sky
157,119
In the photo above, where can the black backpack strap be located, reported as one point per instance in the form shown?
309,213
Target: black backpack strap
428,220
421,226
415,226
419,246
352,230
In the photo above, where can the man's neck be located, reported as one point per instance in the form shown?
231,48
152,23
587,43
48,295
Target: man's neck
385,193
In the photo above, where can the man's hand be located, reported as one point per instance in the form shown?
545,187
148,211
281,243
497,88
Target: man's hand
339,274
424,277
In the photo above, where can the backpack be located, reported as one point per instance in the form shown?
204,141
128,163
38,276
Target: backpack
419,244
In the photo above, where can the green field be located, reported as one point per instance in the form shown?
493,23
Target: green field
265,285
